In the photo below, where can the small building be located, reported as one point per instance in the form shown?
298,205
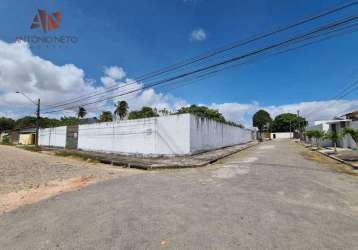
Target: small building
336,125
352,116
27,136
281,135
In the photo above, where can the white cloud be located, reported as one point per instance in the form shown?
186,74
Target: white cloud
38,77
148,97
198,35
315,110
114,72
20,70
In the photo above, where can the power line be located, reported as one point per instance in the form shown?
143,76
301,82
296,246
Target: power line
193,60
233,59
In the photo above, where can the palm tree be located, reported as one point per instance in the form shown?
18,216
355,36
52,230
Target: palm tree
334,137
81,112
121,109
352,132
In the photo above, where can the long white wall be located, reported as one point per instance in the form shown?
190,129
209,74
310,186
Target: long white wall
161,135
206,134
53,137
169,135
134,136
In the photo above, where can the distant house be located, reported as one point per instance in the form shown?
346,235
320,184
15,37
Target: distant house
27,136
352,116
337,125
281,135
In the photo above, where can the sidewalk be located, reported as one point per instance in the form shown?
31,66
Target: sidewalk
344,155
347,156
162,162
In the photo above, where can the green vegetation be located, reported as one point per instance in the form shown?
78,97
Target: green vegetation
261,119
334,137
77,155
5,140
30,122
353,133
288,122
121,109
6,123
205,112
81,113
145,112
317,134
32,148
106,116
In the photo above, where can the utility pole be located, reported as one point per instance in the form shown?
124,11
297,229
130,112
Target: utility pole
37,115
299,124
37,122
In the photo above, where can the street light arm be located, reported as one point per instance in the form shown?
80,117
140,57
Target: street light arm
18,92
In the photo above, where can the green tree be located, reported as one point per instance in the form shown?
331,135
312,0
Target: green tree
145,112
6,123
287,122
353,133
261,119
81,112
203,111
334,137
69,121
25,122
121,109
106,116
317,134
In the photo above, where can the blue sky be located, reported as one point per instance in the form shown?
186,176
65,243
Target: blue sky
142,36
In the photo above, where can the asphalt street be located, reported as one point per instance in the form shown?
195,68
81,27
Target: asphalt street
267,197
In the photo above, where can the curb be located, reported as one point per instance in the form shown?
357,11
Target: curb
126,163
196,165
333,157
340,160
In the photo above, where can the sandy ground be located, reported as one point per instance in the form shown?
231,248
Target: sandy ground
27,177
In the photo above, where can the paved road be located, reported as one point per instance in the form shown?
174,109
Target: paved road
268,197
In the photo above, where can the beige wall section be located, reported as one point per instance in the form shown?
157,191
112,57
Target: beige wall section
27,139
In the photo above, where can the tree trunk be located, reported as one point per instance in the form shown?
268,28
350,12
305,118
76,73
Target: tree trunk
335,147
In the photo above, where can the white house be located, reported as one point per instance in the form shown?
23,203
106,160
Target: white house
336,125
281,135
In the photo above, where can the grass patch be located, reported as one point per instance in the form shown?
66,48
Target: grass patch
328,162
76,155
31,148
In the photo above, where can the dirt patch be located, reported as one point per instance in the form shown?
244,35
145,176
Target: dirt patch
14,200
27,177
328,162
